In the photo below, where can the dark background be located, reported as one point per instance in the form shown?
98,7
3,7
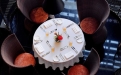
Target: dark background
107,66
